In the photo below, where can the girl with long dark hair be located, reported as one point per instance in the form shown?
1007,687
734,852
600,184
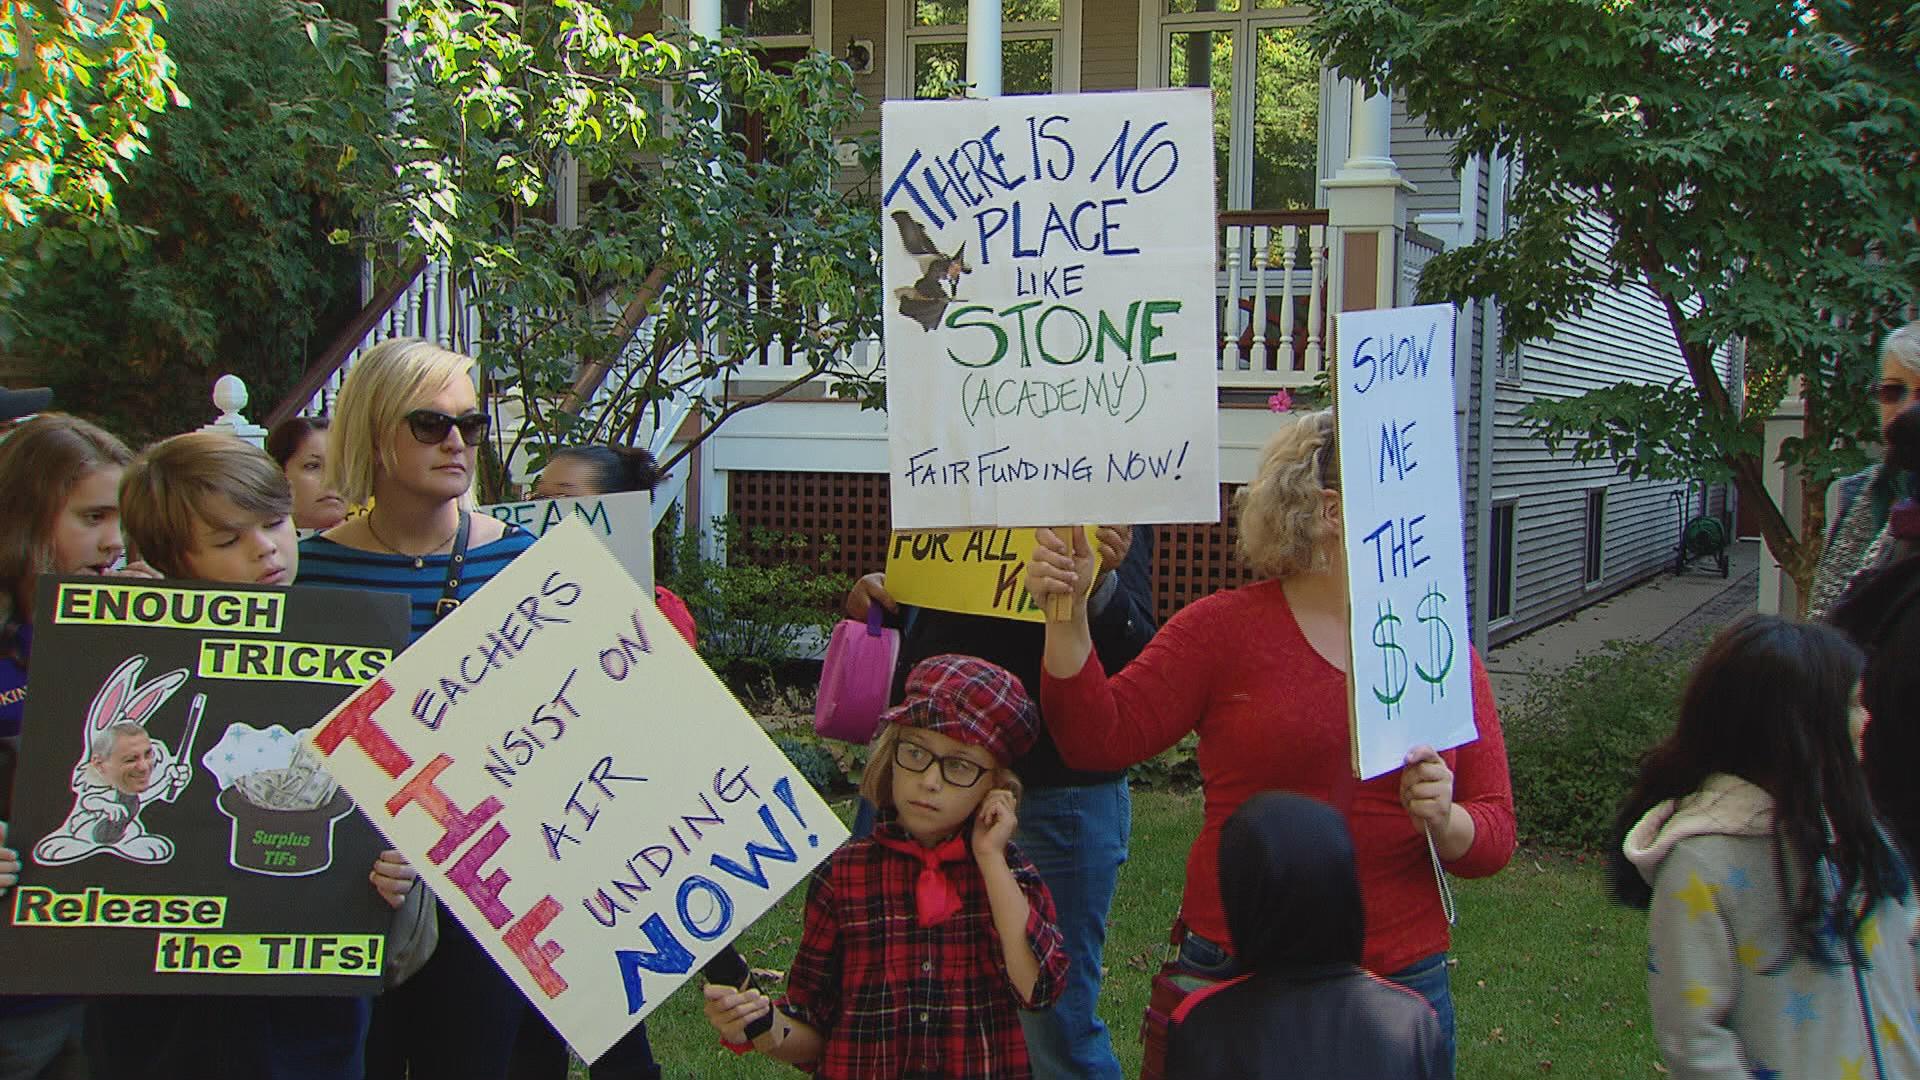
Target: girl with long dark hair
1782,916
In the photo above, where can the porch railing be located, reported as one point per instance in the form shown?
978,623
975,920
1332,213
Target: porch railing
1416,249
421,301
1273,297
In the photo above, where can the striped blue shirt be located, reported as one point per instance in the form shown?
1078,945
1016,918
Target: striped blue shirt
333,565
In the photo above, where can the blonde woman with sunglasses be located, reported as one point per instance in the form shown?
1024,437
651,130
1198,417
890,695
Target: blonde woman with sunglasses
1857,541
405,434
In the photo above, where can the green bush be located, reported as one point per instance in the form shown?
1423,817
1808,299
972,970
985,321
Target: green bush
1575,739
771,601
814,762
1178,769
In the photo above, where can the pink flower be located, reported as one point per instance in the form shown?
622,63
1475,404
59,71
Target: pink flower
1281,401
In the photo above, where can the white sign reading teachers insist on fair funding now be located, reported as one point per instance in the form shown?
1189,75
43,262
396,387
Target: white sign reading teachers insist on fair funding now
577,787
1049,312
1406,554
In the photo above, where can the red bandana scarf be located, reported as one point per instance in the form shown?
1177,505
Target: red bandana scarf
934,897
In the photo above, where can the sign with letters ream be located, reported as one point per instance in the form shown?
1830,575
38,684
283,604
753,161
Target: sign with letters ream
578,788
972,571
1412,682
623,522
1049,312
177,831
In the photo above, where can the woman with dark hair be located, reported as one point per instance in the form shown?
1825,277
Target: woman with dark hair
299,446
1881,613
581,472
1783,920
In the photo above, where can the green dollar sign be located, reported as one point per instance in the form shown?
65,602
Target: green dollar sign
1392,657
1439,640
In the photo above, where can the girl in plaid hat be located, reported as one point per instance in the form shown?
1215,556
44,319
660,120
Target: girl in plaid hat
923,941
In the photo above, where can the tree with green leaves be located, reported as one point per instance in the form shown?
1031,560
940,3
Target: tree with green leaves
78,83
714,223
1754,164
224,264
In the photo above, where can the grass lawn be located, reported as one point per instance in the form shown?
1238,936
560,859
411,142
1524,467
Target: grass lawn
1549,977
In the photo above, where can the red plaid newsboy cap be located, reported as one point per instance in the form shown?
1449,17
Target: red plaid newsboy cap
967,699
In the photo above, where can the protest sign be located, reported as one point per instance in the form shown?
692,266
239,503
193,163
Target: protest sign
1406,552
175,826
972,571
623,522
1049,317
578,788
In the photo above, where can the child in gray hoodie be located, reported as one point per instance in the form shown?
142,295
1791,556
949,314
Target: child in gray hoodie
1784,925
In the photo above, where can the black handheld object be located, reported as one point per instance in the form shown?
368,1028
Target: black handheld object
729,968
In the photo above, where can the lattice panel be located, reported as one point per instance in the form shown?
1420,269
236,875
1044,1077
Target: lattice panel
851,507
1189,561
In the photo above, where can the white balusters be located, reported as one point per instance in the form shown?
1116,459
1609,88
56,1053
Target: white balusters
1289,247
1317,276
1262,258
1230,358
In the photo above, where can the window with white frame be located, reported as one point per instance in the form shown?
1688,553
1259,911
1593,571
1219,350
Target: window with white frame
1269,90
1035,57
771,22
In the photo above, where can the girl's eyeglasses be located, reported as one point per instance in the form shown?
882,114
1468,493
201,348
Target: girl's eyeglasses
1892,393
430,426
958,771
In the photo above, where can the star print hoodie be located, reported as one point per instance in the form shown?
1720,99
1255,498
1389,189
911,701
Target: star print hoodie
1731,998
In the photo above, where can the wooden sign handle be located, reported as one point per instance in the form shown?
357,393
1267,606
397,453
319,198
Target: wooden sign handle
1059,606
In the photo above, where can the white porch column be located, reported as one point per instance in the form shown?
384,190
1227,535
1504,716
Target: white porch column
1367,208
983,47
703,18
1778,595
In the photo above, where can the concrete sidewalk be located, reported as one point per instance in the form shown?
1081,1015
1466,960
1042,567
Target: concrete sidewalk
1664,609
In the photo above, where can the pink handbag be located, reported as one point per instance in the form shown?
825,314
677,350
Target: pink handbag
856,678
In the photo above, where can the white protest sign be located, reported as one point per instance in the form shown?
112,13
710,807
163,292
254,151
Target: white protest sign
1406,555
577,787
623,521
1049,313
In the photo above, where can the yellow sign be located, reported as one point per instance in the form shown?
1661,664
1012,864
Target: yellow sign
176,609
973,571
269,954
37,906
291,661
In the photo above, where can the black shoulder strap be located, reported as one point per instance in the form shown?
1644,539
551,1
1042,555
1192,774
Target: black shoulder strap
456,565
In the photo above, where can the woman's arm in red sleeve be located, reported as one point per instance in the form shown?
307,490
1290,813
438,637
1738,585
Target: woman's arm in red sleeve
1482,787
1110,722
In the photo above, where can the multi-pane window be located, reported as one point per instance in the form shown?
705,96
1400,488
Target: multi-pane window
1030,46
1267,88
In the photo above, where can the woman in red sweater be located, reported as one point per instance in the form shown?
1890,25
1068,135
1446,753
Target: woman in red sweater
1261,673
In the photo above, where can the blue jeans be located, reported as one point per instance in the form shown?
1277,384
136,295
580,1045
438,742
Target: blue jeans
1077,837
1428,978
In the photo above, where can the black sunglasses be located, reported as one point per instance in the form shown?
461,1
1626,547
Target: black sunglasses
430,426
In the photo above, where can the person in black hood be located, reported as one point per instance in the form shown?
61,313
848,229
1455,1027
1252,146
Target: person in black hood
1306,1009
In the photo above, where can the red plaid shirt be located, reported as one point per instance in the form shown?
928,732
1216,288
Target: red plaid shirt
896,1001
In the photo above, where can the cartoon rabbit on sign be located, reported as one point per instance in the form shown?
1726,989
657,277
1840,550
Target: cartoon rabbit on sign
121,770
